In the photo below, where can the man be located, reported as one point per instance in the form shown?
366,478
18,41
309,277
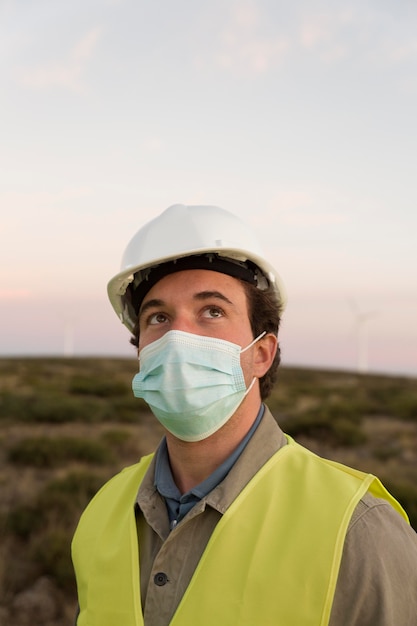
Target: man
230,522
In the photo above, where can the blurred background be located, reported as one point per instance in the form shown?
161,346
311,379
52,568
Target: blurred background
299,117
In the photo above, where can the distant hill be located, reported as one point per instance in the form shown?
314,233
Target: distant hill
67,425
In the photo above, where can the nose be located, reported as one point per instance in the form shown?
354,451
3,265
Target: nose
183,322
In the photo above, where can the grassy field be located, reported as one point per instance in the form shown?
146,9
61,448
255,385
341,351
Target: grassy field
67,425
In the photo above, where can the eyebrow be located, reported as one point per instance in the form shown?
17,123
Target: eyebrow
206,295
201,295
151,304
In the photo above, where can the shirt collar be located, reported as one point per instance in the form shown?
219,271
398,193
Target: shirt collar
164,481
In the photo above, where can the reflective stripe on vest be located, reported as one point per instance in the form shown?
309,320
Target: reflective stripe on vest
272,559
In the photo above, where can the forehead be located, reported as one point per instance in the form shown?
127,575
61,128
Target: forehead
188,283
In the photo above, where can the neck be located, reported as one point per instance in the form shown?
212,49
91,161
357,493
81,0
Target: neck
193,462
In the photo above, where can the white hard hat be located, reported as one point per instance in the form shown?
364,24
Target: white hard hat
213,237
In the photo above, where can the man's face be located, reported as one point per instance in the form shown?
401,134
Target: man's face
200,302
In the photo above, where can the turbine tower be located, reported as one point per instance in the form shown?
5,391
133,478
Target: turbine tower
361,325
69,337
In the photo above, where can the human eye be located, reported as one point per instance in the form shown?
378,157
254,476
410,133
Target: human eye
156,318
213,312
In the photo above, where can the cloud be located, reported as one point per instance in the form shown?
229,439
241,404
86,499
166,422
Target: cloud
323,28
373,34
325,34
67,73
243,45
251,41
84,49
255,55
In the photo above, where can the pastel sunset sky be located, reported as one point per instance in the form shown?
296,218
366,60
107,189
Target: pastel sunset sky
298,116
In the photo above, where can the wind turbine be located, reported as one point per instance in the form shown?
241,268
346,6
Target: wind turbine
69,337
362,319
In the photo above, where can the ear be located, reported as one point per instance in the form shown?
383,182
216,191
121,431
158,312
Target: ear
265,351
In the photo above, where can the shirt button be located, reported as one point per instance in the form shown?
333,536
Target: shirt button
160,579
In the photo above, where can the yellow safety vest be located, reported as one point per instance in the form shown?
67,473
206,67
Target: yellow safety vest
273,558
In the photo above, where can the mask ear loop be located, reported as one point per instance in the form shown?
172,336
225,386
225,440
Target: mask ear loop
254,379
247,348
253,342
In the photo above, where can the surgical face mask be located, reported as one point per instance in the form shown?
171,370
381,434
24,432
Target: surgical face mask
193,384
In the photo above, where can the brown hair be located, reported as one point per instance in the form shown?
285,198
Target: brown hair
264,315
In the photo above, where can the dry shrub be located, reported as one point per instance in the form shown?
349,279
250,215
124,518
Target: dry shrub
47,452
39,532
103,388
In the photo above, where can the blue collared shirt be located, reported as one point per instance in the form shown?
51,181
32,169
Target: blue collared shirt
178,505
